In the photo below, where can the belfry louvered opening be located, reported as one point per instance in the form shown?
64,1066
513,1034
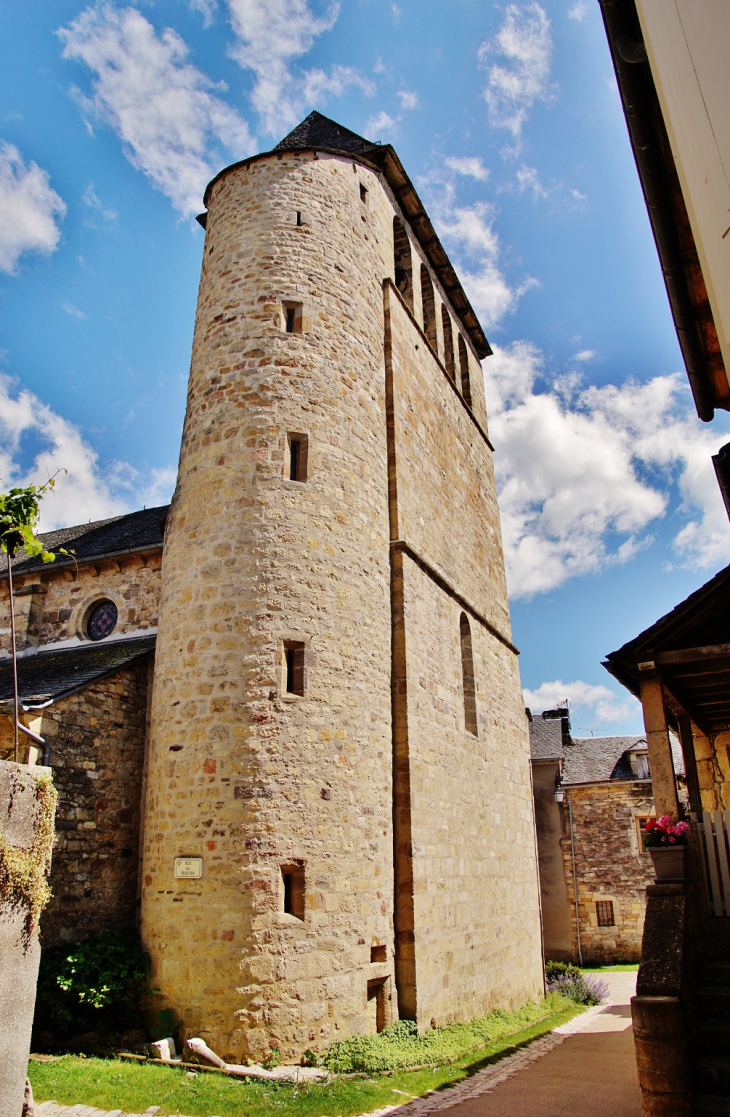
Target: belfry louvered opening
402,261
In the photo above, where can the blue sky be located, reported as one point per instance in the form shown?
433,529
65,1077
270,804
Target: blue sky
112,119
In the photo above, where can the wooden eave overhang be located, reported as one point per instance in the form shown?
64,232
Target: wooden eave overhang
383,160
689,650
683,278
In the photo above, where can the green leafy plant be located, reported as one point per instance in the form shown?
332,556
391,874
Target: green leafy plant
103,983
400,1046
19,512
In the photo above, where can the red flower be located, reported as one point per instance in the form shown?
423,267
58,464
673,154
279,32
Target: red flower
672,839
651,825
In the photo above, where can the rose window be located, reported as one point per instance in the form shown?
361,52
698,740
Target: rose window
102,620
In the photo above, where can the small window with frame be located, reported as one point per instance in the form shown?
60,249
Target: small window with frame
641,821
604,913
297,457
294,675
292,315
293,892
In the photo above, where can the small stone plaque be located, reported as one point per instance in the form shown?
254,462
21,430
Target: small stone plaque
188,868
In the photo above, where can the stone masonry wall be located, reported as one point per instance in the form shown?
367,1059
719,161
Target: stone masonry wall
610,866
713,770
51,605
477,928
97,740
241,773
259,782
475,901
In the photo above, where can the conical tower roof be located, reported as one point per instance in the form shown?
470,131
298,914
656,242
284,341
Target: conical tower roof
319,131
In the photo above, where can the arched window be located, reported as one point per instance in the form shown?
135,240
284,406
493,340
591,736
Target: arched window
467,675
429,309
448,343
464,370
402,261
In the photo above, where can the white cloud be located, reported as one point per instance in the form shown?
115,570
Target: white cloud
579,11
86,491
271,35
583,473
172,126
468,165
408,100
73,310
472,241
584,355
528,179
205,8
517,61
601,701
29,208
382,124
90,199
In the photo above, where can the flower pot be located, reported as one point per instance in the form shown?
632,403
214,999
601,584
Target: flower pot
671,862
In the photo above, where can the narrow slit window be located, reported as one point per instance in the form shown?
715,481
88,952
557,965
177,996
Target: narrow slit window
428,303
467,675
448,343
298,447
464,370
604,912
299,217
293,889
292,317
363,194
294,667
402,262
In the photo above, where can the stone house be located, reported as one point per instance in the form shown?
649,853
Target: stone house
593,797
290,729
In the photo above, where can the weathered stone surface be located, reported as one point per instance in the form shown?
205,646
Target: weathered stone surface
19,821
51,605
260,782
163,1049
197,1051
611,866
97,742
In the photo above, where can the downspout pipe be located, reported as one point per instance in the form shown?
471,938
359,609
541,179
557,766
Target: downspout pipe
575,879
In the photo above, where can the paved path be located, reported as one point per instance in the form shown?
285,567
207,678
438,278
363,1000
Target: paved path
585,1068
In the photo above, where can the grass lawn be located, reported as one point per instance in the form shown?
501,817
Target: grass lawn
628,968
117,1084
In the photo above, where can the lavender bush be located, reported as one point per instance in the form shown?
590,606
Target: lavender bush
584,989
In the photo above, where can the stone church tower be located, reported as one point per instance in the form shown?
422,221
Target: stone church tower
338,824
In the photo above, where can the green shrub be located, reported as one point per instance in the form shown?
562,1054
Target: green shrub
101,983
400,1046
569,981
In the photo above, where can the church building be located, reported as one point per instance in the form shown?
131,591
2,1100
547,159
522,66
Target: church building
284,715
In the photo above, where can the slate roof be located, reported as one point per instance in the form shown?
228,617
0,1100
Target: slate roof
135,531
51,675
546,739
599,759
319,131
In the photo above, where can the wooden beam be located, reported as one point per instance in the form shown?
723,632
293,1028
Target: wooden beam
692,655
686,738
664,784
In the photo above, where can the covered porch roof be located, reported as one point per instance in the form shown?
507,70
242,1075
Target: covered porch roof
689,651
